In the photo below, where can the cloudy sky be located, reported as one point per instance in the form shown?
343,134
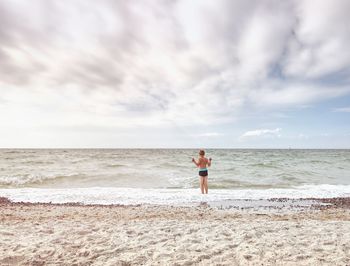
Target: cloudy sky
224,73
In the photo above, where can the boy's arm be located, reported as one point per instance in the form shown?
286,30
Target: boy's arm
209,162
194,161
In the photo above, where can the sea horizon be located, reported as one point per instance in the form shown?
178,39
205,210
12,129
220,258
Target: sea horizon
164,148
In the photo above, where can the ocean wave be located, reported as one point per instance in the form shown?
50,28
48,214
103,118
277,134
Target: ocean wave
19,151
115,165
31,179
288,177
12,151
111,195
263,165
38,162
169,165
320,162
231,169
246,185
234,184
22,157
8,158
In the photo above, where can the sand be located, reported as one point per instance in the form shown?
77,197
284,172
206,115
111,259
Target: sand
71,234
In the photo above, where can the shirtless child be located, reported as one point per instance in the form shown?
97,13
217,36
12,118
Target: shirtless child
203,163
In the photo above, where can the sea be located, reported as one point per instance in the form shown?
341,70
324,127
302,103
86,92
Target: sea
167,176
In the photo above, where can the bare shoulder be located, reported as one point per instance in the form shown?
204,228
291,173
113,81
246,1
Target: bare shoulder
202,159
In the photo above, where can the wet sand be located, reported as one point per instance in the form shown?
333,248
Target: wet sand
270,232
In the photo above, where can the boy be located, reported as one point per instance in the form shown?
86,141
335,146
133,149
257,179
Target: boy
203,163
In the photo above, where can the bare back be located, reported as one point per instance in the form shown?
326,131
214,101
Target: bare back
203,162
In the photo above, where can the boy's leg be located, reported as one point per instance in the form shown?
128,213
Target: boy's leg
206,184
201,183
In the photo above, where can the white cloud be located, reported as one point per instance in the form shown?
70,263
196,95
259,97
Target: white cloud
302,136
137,63
318,46
262,132
209,134
278,94
343,110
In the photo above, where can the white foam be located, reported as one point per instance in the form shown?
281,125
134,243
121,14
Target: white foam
20,180
112,195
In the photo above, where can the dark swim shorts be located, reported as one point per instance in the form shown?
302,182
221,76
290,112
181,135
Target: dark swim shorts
203,173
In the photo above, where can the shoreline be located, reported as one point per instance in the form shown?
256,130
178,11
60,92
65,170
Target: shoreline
82,234
178,197
238,204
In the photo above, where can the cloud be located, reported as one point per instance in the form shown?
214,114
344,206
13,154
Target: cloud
130,63
209,134
303,136
343,110
262,133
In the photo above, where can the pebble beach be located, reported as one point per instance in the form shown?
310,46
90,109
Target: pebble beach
76,234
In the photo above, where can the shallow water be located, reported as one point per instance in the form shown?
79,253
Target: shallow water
172,168
263,171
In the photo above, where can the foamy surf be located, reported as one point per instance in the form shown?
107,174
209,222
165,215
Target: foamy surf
180,197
